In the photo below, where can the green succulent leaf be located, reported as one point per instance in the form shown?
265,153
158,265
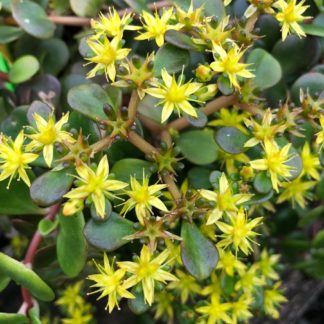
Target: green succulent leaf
89,100
32,18
181,40
23,69
198,146
71,245
231,140
26,277
46,226
262,183
108,235
199,255
89,8
137,305
51,186
172,58
16,200
125,168
266,68
9,34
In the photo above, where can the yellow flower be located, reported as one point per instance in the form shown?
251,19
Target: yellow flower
227,2
47,133
113,25
212,33
143,198
289,15
71,297
274,162
156,26
13,159
174,95
248,280
214,288
95,185
310,162
216,310
296,190
229,263
80,316
267,264
106,54
240,309
230,118
186,285
110,283
272,299
192,17
231,159
228,62
147,270
239,232
320,134
263,131
225,201
164,305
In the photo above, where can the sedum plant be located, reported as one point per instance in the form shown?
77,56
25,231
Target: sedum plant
169,163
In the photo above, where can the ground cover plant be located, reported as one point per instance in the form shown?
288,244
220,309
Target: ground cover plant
159,159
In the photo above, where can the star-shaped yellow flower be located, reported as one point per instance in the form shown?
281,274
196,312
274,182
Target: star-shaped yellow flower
148,269
175,95
310,162
47,133
274,162
157,26
113,25
14,159
229,63
226,201
239,232
94,185
106,54
272,299
143,197
289,15
266,130
110,283
320,134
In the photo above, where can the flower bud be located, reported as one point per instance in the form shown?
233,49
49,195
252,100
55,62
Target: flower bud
204,73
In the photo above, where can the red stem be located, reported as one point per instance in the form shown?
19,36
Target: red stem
3,76
31,252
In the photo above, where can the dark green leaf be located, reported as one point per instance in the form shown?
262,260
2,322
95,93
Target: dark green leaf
26,277
89,100
9,34
23,69
32,18
224,85
318,240
172,58
137,305
108,235
262,183
16,200
198,146
198,254
231,140
265,67
71,245
39,108
199,178
314,30
214,178
125,168
137,5
98,218
51,186
181,40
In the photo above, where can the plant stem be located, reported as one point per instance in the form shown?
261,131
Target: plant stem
132,107
142,144
210,108
172,187
102,144
31,252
